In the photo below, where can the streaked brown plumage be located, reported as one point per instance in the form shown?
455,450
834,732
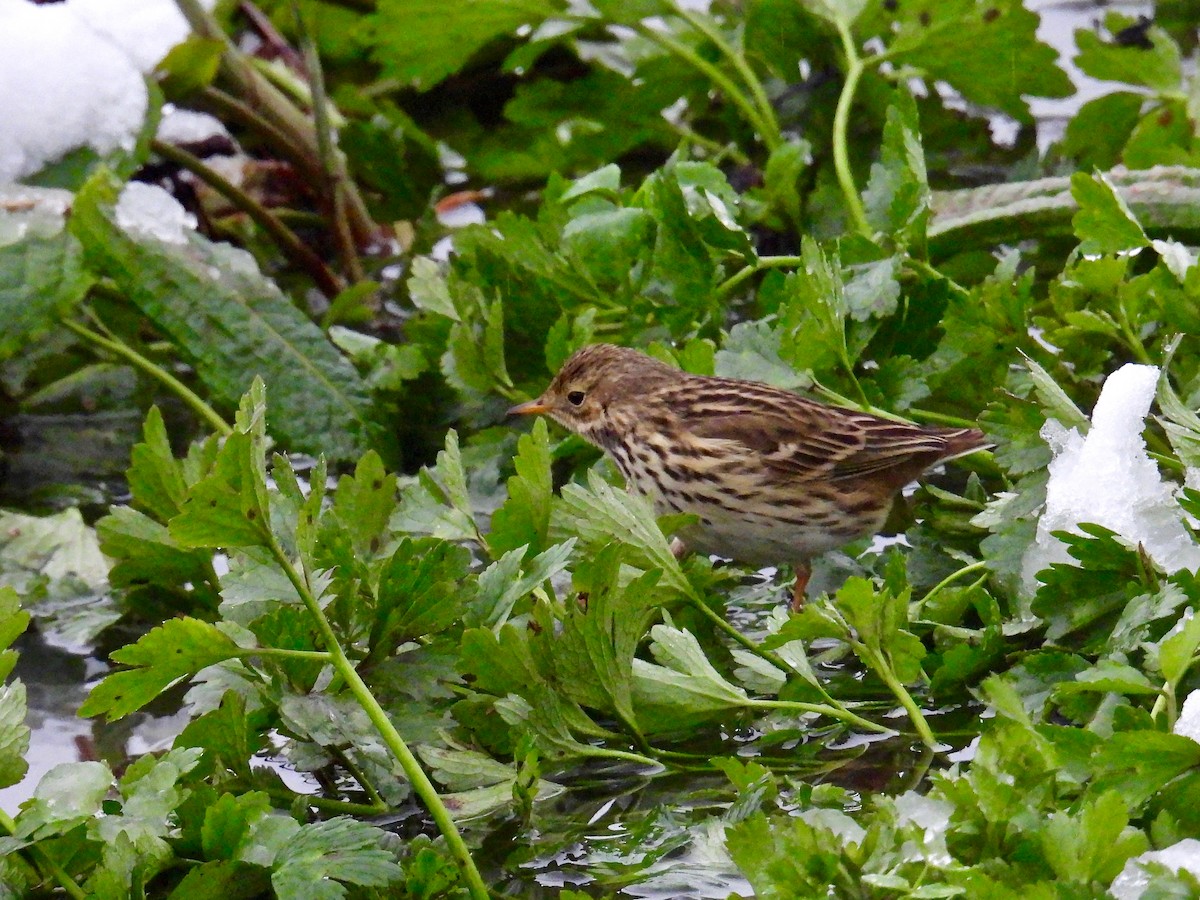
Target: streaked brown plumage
774,477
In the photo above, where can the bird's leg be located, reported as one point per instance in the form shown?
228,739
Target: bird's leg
803,573
678,548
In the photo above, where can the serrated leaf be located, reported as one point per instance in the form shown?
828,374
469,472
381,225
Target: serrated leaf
420,590
599,514
986,49
322,855
524,518
684,687
14,734
41,280
223,510
233,324
897,196
173,651
413,44
1175,653
364,502
1154,64
1104,223
1091,846
155,477
222,880
594,652
510,578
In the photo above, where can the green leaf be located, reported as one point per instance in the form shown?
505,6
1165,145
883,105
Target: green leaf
145,553
897,196
175,650
438,502
41,280
510,578
1097,133
68,795
1109,675
1176,653
415,46
14,733
1138,764
989,51
1157,66
222,880
600,514
1092,846
228,823
781,178
364,502
233,325
878,618
524,519
189,67
594,653
155,477
684,687
1104,223
420,591
224,509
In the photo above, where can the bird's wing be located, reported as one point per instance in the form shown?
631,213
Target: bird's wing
810,440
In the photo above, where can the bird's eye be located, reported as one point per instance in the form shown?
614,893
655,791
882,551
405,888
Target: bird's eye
575,398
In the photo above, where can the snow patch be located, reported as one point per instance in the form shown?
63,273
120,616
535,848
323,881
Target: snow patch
145,210
1188,722
1133,880
1106,477
71,76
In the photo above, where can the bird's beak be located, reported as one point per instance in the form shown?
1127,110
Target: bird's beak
532,408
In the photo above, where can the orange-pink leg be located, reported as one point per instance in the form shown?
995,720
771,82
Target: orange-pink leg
803,573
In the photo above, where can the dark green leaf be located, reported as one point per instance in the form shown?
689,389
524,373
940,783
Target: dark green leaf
415,46
233,325
987,49
41,280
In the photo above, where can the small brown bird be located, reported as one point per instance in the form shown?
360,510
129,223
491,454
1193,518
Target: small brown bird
773,477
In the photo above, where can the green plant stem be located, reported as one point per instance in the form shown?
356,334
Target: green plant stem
716,76
286,239
281,653
333,165
230,107
841,129
953,577
928,415
761,264
773,137
718,150
832,712
274,106
924,268
776,660
330,805
186,394
883,669
623,755
391,737
1130,338
43,862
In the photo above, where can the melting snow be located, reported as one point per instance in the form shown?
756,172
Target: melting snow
71,76
145,210
1133,881
1106,477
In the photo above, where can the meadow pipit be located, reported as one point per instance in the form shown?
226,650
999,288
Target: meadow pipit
773,477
